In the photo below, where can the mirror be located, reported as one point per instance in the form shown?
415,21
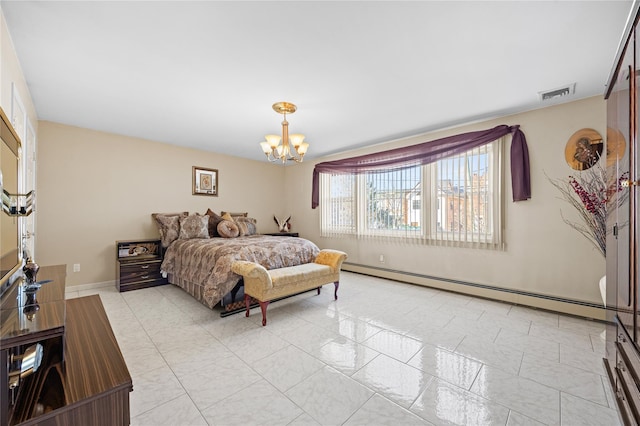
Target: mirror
10,253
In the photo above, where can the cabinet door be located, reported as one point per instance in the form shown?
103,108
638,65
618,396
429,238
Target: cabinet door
616,106
620,131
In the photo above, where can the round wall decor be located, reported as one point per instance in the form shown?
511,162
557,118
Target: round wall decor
616,146
583,149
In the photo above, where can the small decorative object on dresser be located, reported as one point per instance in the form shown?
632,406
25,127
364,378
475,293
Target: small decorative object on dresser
138,264
30,270
283,225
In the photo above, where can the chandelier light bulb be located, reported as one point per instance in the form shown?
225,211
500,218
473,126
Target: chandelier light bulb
302,149
273,140
296,139
266,148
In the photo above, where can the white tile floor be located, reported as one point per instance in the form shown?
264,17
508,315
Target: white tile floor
385,353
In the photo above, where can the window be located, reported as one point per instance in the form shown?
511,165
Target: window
454,201
339,204
388,196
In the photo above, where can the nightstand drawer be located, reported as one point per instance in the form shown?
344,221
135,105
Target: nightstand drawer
138,272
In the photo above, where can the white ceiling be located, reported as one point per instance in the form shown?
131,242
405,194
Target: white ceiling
204,74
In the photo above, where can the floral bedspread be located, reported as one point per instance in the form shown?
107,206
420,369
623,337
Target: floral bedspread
207,262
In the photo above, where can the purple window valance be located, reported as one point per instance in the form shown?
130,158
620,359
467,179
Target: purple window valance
432,151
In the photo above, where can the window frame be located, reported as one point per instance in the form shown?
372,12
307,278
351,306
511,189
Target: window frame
428,231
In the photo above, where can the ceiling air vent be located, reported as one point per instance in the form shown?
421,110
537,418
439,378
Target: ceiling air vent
558,93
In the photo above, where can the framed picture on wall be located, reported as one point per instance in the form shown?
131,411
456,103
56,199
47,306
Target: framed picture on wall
205,181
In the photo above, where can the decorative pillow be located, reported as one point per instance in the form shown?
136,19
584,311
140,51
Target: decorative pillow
242,229
169,229
246,219
235,215
228,229
214,220
247,225
164,225
227,216
194,226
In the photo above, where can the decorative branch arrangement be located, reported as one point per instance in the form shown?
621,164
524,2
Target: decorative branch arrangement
590,193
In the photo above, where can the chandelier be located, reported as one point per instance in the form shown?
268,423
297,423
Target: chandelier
292,147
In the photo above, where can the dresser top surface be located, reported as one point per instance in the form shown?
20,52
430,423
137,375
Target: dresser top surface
30,317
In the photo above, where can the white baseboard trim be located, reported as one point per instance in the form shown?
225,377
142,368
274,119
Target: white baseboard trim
90,286
565,306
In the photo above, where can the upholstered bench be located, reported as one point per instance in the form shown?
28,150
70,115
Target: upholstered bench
266,285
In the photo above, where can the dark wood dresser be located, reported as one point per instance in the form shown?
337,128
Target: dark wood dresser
83,378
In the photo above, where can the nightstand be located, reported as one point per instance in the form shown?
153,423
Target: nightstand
138,264
282,234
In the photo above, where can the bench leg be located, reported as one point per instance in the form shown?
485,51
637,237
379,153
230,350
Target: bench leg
263,308
335,293
247,303
319,290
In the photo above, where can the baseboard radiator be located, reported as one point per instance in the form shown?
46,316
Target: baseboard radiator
518,297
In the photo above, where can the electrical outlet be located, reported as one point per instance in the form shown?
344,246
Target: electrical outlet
76,267
382,258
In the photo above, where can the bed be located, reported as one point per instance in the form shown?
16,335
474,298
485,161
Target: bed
202,266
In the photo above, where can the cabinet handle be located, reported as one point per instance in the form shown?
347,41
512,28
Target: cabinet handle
144,267
144,277
627,183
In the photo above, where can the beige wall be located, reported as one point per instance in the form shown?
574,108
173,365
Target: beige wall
543,255
96,188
